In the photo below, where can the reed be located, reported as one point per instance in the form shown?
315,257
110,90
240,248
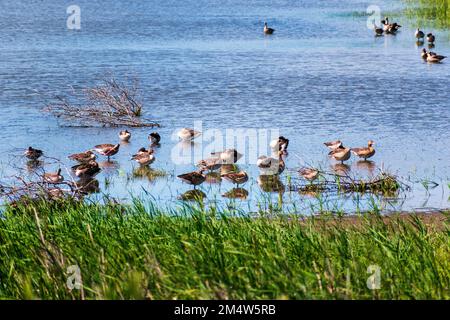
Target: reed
142,251
429,13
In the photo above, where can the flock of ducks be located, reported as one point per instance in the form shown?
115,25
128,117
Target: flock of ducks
388,28
392,28
428,56
87,166
225,160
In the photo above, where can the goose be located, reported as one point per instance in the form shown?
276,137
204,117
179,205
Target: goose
436,56
236,177
33,154
194,178
187,134
271,166
107,149
419,34
309,174
144,157
53,177
268,30
340,154
364,153
83,156
228,156
88,169
210,164
124,136
378,31
279,144
154,137
431,38
333,145
424,54
385,24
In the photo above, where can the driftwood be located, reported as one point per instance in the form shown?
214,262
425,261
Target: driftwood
110,104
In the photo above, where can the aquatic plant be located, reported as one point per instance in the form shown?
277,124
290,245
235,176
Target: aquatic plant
429,13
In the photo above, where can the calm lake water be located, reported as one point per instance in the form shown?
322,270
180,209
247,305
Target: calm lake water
321,76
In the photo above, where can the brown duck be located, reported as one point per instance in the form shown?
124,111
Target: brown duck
107,149
309,174
89,169
53,177
340,154
236,177
365,153
83,156
33,154
194,178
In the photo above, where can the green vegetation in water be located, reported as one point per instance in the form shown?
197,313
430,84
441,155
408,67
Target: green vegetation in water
429,13
130,252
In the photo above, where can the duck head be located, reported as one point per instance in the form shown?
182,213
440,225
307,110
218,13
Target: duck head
371,143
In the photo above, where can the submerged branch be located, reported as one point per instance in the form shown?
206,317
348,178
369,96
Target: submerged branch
109,104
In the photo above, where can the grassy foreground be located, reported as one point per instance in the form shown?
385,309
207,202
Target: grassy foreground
134,253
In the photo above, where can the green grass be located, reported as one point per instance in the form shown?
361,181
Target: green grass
429,13
129,252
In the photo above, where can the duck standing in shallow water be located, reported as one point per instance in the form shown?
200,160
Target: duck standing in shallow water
124,136
228,156
279,144
187,134
53,177
33,154
210,164
365,153
236,177
83,156
144,157
87,170
193,178
107,150
309,174
268,30
333,145
340,154
431,38
271,166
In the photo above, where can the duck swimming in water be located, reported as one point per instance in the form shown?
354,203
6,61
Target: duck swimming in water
268,30
124,136
33,154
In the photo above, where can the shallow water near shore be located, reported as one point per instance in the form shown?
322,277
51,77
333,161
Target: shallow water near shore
321,76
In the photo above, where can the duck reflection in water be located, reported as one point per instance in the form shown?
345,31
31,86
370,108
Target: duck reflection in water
228,168
367,165
193,195
88,185
146,172
271,183
236,193
213,177
32,165
341,169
